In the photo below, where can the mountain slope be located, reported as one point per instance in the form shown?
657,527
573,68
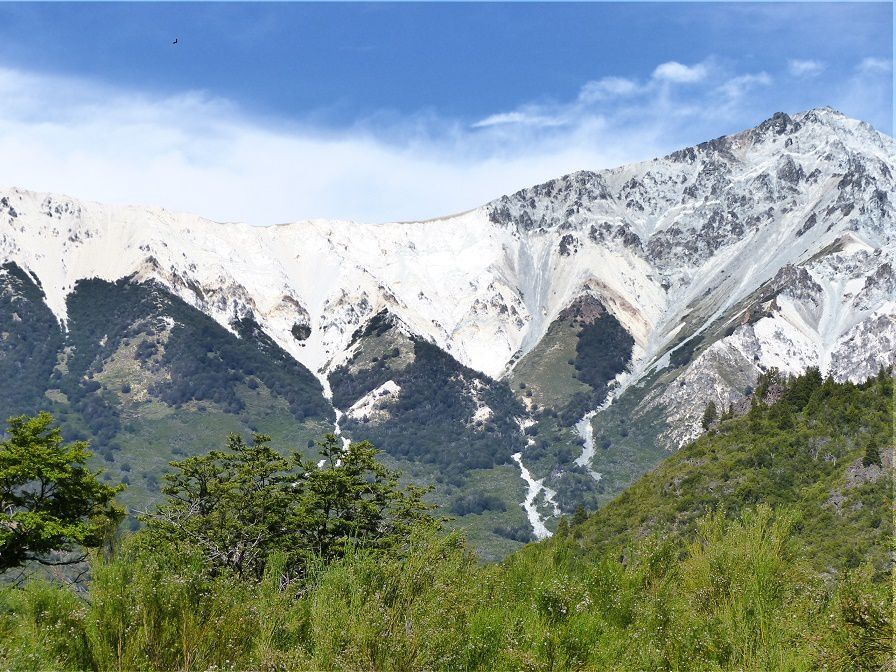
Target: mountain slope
662,242
614,305
824,450
147,377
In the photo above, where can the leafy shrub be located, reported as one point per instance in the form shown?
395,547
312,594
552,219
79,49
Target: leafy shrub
476,503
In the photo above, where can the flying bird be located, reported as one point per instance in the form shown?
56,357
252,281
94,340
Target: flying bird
175,40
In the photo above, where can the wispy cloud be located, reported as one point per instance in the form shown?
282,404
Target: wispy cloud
597,97
608,88
673,71
203,154
805,67
675,95
519,117
872,65
740,85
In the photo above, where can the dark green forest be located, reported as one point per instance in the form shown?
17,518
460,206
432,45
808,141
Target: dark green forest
200,359
767,544
429,423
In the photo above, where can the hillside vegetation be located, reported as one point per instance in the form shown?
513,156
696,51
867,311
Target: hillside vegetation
146,378
750,550
824,451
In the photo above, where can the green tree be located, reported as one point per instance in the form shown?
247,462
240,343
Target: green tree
562,528
709,415
765,382
232,505
355,501
872,454
51,504
239,506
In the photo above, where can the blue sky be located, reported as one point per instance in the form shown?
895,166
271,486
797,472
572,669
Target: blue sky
281,111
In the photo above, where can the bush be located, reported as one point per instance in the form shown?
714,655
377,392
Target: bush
476,503
734,598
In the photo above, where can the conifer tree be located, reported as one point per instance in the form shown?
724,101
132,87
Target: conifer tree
709,415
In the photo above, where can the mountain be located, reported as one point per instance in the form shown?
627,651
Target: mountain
545,349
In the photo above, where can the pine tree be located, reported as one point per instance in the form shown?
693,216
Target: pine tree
872,454
709,415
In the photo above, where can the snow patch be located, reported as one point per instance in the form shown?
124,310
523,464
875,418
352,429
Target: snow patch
482,414
374,404
529,504
586,431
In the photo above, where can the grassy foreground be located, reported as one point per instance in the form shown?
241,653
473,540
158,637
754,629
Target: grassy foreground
735,599
766,545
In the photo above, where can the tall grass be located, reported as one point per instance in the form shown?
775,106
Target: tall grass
736,598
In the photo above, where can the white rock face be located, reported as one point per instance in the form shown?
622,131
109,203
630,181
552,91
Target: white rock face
669,246
837,313
375,404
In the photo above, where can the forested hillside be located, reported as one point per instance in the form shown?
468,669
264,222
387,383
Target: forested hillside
147,378
765,545
823,450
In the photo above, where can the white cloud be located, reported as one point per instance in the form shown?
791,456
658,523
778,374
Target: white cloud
676,72
805,68
608,88
196,153
872,65
519,117
737,86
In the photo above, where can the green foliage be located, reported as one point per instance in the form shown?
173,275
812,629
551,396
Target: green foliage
862,635
30,339
50,502
736,597
805,451
766,381
237,507
192,358
709,415
603,350
205,361
430,421
369,613
476,503
872,454
143,376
